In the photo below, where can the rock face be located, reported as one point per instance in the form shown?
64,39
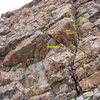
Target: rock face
29,70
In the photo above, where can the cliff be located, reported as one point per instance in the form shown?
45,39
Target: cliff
50,50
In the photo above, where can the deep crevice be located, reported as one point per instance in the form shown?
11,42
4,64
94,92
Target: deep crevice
74,77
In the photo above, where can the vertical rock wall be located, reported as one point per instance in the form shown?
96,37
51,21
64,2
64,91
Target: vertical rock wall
29,70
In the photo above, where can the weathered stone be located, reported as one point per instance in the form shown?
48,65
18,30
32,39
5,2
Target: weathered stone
86,26
60,88
96,90
89,93
61,97
99,87
80,98
46,96
17,96
32,71
54,64
19,74
7,90
10,86
91,81
59,30
40,19
30,80
80,72
20,87
5,30
6,98
22,50
88,47
5,78
39,90
96,96
97,23
56,78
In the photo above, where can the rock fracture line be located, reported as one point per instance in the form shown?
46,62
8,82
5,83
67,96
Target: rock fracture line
76,32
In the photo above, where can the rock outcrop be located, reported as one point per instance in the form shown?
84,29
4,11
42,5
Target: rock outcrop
29,70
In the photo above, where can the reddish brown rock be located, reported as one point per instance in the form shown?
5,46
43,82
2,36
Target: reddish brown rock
92,81
29,70
26,50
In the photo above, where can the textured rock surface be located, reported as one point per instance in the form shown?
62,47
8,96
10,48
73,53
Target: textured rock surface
29,70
